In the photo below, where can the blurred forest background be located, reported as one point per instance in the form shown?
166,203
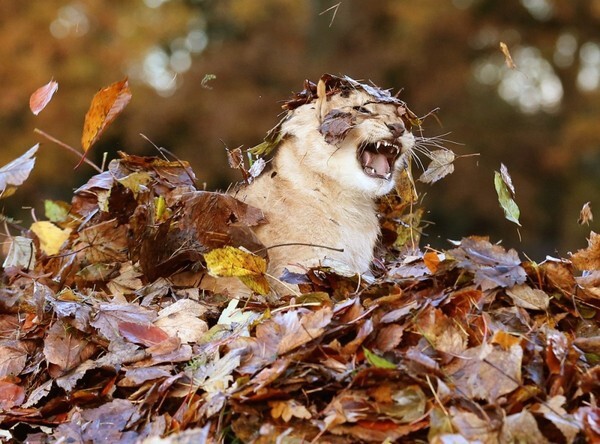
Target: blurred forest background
210,73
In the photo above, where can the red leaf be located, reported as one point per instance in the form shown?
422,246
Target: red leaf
10,395
145,334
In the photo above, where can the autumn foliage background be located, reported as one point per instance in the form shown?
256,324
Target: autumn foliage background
540,120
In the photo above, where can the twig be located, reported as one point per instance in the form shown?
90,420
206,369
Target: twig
335,10
68,148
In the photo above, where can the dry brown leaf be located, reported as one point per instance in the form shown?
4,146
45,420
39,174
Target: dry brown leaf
493,265
106,105
21,253
145,334
589,258
531,298
585,215
487,372
440,166
289,409
182,320
507,57
13,357
336,125
11,395
522,427
66,347
42,96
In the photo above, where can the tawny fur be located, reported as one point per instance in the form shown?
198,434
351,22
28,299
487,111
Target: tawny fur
318,193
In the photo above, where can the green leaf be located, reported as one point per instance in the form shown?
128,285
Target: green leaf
265,148
511,210
377,361
56,211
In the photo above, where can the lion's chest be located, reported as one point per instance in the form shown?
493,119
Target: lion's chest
316,228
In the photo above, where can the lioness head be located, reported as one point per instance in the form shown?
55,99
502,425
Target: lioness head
349,133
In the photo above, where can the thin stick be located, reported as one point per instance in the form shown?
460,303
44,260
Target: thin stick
291,244
68,147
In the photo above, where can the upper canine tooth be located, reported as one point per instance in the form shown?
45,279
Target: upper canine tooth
378,145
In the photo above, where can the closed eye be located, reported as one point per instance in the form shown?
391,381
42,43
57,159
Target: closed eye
361,109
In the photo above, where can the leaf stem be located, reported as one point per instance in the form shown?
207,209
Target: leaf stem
68,148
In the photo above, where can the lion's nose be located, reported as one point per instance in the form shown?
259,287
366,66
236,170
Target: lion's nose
397,129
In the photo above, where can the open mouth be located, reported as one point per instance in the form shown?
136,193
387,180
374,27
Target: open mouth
377,158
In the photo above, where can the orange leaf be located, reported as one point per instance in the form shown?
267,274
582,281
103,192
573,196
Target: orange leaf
42,96
432,260
106,105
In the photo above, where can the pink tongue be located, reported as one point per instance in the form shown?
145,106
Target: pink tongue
376,161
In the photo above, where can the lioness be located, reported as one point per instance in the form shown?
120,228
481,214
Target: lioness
340,146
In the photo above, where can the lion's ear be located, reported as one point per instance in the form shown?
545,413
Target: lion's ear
321,99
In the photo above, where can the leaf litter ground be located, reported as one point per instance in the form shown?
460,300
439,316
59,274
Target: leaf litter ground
108,336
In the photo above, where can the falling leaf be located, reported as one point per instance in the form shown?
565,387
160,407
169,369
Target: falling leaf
507,57
440,166
16,172
585,215
235,159
106,105
42,96
507,179
207,78
588,258
505,197
51,237
233,262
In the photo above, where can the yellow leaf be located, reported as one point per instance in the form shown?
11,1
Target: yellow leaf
51,237
233,262
135,181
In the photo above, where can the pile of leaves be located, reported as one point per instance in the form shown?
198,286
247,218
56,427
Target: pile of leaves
106,334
